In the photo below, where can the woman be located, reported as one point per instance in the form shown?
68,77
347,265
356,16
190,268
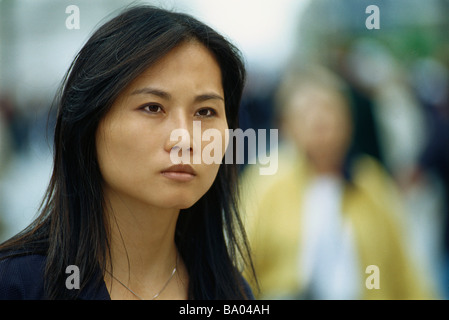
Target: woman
329,224
134,224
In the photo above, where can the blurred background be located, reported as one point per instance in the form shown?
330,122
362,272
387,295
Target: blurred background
397,76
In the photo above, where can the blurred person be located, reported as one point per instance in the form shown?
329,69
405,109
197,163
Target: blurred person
319,225
428,180
135,225
371,68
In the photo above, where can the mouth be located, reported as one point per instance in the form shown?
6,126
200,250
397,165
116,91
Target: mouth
180,172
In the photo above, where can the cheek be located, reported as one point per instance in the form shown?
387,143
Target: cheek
104,147
121,153
111,154
214,145
213,148
214,141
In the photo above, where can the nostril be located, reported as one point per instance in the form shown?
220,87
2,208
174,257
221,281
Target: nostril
178,148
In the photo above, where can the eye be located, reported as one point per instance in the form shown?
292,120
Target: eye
206,112
152,108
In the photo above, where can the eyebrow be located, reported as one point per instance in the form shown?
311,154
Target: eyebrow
153,91
167,96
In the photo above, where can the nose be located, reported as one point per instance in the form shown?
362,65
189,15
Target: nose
180,135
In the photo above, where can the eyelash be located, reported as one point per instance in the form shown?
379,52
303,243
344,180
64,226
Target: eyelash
212,111
146,109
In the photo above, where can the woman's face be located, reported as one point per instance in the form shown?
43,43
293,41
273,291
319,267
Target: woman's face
319,122
133,140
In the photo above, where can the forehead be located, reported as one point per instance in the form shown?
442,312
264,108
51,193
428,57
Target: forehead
189,65
316,98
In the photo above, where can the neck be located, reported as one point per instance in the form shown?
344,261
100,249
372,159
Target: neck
325,168
327,164
142,243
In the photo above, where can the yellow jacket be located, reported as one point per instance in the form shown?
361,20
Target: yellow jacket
273,203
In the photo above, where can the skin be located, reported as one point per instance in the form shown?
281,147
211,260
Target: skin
133,149
320,124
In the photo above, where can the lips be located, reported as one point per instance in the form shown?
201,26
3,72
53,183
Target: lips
180,172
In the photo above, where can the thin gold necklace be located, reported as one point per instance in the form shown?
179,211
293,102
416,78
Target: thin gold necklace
160,291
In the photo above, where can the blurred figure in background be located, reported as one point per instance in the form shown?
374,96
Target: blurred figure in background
428,181
328,214
393,121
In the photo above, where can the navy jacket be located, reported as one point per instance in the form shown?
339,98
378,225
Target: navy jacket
21,278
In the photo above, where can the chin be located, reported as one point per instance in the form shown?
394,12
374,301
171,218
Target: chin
188,203
180,202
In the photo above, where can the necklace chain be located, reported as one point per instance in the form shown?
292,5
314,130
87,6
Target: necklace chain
160,291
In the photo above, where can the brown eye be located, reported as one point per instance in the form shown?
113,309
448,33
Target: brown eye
206,112
152,108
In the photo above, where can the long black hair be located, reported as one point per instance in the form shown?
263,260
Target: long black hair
71,228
